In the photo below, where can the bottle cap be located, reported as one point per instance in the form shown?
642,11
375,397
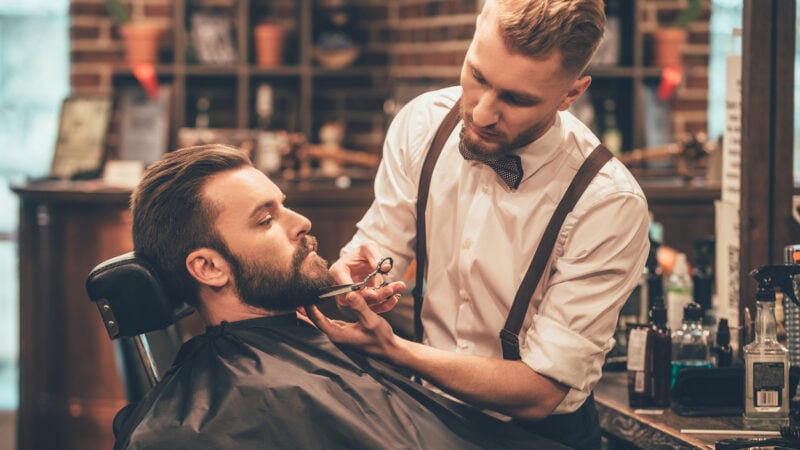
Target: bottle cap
723,332
693,312
658,312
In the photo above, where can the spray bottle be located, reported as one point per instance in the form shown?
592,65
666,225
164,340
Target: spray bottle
766,396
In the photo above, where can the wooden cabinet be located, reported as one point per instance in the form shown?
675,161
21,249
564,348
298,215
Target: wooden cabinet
70,386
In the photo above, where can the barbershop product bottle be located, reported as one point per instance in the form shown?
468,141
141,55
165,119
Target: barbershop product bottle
639,351
679,292
661,354
690,343
723,347
766,379
703,273
612,136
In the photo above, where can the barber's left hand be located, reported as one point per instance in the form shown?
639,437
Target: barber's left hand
370,332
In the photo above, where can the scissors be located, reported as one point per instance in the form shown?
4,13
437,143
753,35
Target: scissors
333,291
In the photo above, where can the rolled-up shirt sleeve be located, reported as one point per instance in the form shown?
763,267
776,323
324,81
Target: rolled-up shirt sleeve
600,255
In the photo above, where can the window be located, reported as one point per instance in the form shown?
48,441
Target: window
34,79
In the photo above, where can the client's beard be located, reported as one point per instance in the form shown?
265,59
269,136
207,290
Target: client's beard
264,286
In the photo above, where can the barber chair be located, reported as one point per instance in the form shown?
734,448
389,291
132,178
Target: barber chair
139,318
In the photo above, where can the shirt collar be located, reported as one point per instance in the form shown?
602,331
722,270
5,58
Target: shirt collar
541,151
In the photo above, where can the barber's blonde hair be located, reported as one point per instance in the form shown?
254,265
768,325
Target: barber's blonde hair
536,28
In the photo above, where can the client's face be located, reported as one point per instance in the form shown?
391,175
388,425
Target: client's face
273,260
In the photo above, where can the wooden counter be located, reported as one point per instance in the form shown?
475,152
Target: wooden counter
624,427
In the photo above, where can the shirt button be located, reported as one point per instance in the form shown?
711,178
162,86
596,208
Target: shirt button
463,345
485,188
463,294
467,244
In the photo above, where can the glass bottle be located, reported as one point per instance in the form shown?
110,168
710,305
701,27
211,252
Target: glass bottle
679,291
724,351
766,398
661,354
690,343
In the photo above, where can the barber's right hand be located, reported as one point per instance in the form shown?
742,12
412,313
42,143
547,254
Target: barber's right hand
354,267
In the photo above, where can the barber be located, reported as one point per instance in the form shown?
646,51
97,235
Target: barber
493,189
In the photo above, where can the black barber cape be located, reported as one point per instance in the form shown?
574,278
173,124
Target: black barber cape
279,383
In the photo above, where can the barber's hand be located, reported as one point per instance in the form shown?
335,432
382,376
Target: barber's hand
354,267
371,332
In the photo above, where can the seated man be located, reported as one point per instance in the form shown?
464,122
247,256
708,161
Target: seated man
261,376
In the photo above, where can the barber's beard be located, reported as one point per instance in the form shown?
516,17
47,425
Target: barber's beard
494,150
265,286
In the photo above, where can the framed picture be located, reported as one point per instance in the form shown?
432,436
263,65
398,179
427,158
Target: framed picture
144,124
81,143
212,38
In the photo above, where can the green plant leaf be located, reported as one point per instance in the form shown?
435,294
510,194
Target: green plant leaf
117,11
687,15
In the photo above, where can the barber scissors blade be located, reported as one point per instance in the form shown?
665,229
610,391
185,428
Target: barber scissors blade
339,289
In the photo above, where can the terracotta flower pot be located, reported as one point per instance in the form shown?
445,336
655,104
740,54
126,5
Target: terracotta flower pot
269,39
141,42
668,46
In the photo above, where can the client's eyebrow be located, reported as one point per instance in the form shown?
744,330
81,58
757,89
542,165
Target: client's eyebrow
264,207
261,209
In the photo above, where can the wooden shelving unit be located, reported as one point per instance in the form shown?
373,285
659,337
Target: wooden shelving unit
231,88
626,81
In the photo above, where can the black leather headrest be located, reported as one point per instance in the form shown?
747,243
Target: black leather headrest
130,297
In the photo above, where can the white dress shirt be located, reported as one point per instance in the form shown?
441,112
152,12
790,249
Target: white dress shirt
481,238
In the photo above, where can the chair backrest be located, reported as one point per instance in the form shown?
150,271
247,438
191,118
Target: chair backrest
139,316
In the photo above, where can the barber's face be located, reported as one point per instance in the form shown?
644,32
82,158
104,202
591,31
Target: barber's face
273,262
509,99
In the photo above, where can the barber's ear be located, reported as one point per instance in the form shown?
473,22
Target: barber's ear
575,91
208,267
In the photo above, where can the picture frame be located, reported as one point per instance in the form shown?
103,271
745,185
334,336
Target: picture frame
80,148
144,124
212,38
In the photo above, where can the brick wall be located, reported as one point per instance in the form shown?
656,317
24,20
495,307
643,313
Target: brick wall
408,42
690,104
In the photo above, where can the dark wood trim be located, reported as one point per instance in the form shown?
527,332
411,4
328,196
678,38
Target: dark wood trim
767,128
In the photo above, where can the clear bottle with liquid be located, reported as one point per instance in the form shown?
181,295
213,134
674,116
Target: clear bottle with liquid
679,291
690,343
766,361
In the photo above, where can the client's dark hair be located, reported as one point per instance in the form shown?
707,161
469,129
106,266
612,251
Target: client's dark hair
170,218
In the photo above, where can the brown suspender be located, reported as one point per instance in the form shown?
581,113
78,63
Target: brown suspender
447,126
509,335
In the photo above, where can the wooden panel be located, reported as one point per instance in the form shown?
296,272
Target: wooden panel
767,127
69,381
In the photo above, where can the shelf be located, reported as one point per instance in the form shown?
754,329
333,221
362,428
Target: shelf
300,84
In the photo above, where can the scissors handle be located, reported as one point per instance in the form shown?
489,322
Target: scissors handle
345,288
380,264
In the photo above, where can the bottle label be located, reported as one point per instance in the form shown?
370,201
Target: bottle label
637,349
638,382
768,384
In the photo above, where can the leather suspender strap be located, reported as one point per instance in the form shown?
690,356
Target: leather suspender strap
509,335
444,131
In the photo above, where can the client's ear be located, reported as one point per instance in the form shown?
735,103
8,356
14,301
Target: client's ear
208,267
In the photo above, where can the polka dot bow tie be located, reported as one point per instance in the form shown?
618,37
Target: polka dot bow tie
508,167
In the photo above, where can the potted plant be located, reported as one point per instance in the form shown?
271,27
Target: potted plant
668,41
140,36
